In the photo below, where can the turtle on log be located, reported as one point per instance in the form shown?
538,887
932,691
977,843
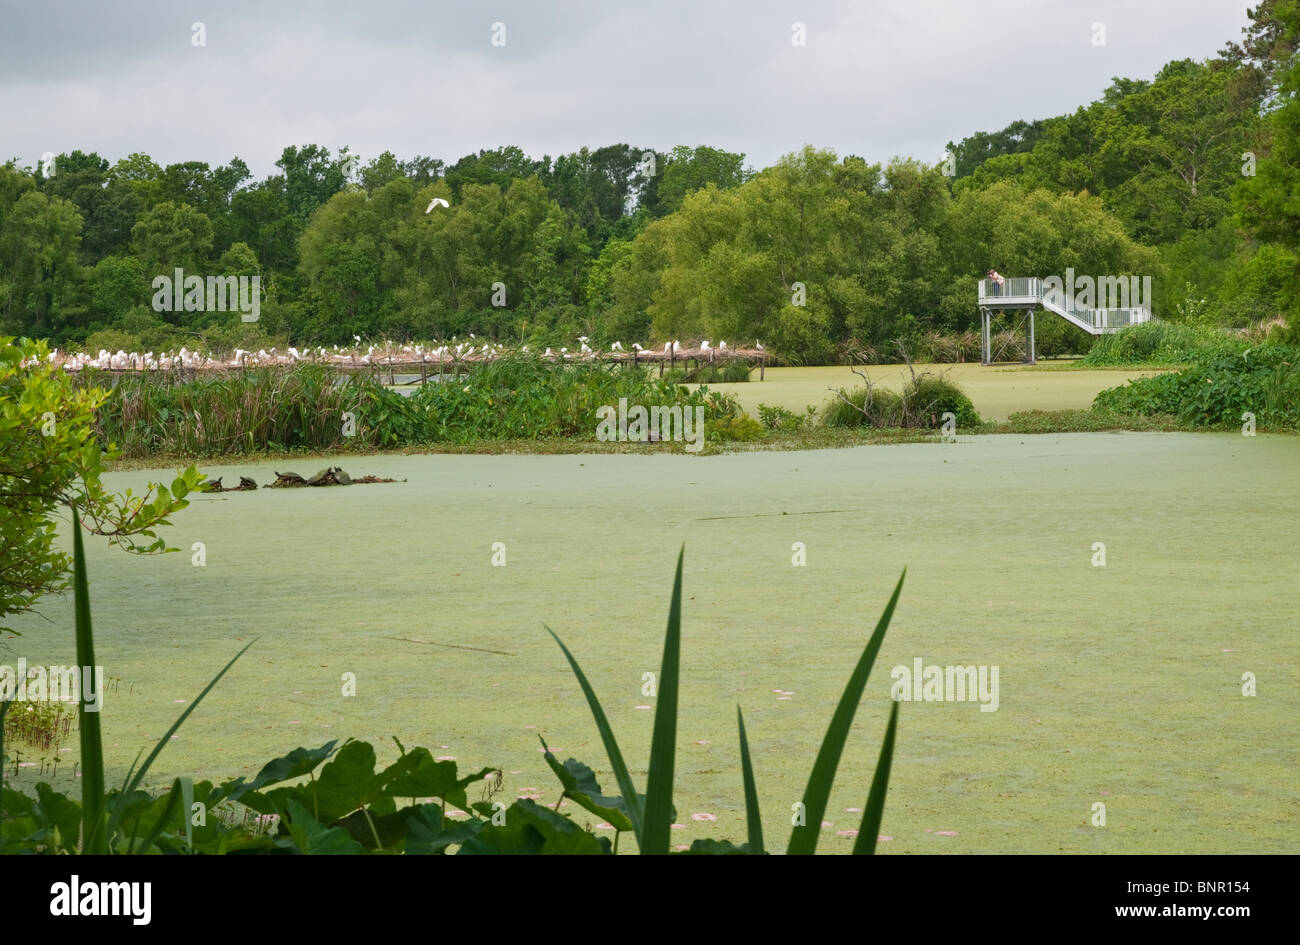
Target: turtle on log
215,485
330,476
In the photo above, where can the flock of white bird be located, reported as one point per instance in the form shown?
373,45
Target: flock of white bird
389,353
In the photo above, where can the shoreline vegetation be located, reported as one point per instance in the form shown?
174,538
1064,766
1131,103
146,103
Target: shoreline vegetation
521,404
1026,423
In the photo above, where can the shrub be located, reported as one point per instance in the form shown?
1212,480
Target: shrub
1263,381
742,427
874,408
925,398
780,420
928,397
1162,342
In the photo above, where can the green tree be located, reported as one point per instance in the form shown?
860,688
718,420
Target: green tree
49,460
39,270
1016,138
686,170
311,177
170,236
118,284
1269,202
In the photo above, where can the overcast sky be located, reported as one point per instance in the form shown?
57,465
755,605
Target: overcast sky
877,78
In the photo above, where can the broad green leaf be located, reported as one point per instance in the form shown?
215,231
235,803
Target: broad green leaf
532,829
581,787
427,832
297,763
163,820
346,783
312,837
425,777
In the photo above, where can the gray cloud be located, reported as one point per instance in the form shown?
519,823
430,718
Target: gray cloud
891,77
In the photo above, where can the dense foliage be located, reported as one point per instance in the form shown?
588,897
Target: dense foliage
1218,392
1164,343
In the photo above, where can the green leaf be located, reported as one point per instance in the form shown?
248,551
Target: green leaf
312,837
93,827
532,829
875,809
297,763
581,787
516,837
424,777
803,839
346,783
60,812
160,824
663,744
753,820
427,832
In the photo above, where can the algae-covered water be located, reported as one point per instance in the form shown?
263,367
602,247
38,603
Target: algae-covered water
1119,685
997,392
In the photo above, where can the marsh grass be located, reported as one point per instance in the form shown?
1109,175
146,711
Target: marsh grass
308,407
250,411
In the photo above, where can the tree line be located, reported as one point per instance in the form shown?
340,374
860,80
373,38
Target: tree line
1191,177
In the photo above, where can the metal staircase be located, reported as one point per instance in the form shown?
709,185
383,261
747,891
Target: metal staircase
1030,293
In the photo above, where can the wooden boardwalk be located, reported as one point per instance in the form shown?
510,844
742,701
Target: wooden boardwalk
404,361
